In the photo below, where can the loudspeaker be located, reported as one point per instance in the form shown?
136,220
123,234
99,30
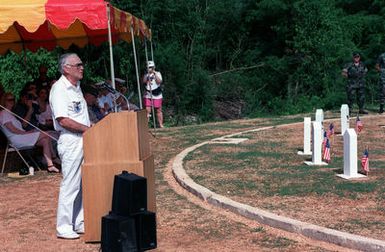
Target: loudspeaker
118,234
129,234
129,194
145,230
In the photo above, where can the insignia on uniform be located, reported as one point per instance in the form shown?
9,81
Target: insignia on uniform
77,106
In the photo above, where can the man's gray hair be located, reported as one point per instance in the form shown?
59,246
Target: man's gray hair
63,60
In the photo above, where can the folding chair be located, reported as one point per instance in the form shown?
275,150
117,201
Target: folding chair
10,148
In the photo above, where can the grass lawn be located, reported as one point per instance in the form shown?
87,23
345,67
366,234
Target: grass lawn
266,172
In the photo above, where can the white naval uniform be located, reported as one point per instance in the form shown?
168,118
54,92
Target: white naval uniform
66,100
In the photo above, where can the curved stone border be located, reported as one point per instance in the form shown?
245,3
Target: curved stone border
309,230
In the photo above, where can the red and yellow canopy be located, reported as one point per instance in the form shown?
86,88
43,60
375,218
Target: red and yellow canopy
31,24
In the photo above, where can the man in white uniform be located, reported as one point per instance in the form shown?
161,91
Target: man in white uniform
70,116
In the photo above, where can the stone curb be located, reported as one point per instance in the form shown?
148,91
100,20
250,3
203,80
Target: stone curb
309,230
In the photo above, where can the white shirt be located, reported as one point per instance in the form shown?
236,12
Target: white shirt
106,99
18,140
44,116
153,85
66,100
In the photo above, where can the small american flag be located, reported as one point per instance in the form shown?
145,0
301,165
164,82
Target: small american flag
365,161
330,130
324,141
359,125
326,156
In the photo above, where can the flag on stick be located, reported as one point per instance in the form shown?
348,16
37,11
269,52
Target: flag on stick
359,125
324,141
365,161
330,130
326,155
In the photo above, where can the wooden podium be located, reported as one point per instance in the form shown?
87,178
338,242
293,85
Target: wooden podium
118,142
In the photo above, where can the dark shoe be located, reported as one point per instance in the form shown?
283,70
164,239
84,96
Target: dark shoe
381,109
364,112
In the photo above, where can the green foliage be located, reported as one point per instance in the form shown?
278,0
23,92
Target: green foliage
274,56
16,70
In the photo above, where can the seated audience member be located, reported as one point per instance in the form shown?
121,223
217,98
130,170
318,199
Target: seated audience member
105,102
121,103
94,111
19,137
43,81
32,90
45,114
27,109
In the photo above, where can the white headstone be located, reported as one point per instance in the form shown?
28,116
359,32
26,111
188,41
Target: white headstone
317,145
350,155
306,137
344,118
319,116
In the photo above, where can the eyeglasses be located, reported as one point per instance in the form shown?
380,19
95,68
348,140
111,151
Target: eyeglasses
11,99
78,65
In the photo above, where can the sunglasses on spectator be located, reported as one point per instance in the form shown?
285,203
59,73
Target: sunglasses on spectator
10,99
78,65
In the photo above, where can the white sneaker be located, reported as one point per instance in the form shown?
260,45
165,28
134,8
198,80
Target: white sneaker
80,230
70,236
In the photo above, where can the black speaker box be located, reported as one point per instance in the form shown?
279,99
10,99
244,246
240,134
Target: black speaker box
129,194
118,234
129,234
145,230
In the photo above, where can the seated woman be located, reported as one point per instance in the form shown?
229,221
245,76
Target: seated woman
45,116
20,138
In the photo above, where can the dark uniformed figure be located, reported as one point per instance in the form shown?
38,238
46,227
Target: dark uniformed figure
355,72
380,66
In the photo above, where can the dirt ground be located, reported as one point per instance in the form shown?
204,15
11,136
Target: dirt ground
184,223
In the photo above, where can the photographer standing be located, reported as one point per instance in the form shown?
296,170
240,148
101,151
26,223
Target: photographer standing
153,92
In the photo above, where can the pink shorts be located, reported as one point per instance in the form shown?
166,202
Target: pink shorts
157,102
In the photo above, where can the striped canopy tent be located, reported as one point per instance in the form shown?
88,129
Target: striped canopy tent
34,24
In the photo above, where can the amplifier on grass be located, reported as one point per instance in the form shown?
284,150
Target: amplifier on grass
129,194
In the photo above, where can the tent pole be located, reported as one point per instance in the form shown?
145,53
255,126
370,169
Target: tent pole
145,51
110,46
152,51
152,100
136,67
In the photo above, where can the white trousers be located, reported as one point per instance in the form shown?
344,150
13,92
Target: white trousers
70,206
